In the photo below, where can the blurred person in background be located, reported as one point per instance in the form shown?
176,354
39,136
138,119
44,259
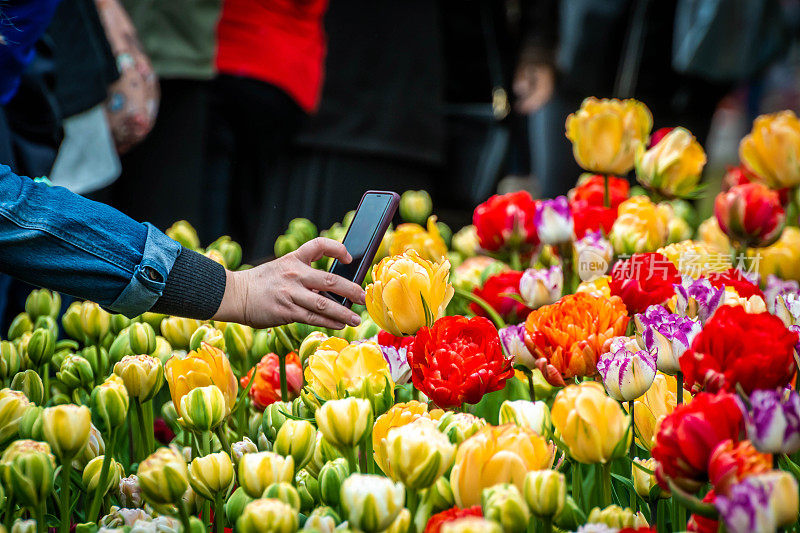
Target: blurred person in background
161,177
269,62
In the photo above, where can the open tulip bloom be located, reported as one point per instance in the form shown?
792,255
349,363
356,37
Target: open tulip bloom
582,363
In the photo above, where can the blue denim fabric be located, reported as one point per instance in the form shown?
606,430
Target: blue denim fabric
54,238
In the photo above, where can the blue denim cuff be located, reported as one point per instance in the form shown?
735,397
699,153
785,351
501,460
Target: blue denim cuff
149,276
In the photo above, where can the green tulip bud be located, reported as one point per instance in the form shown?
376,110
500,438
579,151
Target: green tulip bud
203,408
347,219
229,249
120,347
98,359
22,323
91,475
42,302
13,406
286,244
171,416
260,346
281,342
303,229
69,345
416,206
441,495
184,233
331,476
445,232
211,475
284,492
163,477
301,410
163,350
274,418
41,347
154,319
460,426
545,492
244,446
30,384
310,345
10,361
504,504
110,402
118,323
28,469
30,425
48,323
71,322
208,334
95,322
322,519
267,516
236,504
371,503
239,341
308,489
296,438
142,338
75,372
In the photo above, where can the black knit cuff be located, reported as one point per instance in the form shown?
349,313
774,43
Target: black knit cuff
194,287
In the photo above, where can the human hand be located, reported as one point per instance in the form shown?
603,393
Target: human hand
287,290
533,85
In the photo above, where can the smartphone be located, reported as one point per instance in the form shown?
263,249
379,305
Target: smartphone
363,237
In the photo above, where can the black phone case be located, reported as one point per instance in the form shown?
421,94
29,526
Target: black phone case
366,261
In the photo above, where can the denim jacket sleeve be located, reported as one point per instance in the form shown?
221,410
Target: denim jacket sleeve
54,238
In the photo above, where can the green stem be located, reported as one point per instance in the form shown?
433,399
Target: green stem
632,453
483,304
352,461
606,194
514,260
219,514
739,253
366,451
141,443
8,517
547,524
284,386
38,513
679,388
184,514
66,466
605,470
223,438
412,503
94,508
149,426
565,253
241,420
576,485
205,440
531,388
46,382
679,516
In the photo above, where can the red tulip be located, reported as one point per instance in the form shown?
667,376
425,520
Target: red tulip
750,214
267,386
506,221
493,291
458,360
592,190
754,350
701,524
387,339
731,463
687,437
587,218
659,134
741,174
644,280
436,521
733,277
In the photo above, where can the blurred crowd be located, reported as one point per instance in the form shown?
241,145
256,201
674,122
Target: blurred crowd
239,115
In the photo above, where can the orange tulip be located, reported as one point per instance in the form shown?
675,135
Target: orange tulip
567,337
201,368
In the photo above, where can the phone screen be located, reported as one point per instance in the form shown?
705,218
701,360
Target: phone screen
362,232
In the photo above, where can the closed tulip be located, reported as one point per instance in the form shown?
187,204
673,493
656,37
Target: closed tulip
178,331
10,361
284,492
772,148
606,133
460,426
553,221
593,426
257,471
321,519
545,492
750,215
163,477
95,322
41,347
203,408
672,167
94,448
418,454
615,516
110,401
183,232
231,251
331,476
42,302
20,325
92,471
415,206
398,415
75,372
143,376
211,476
66,429
371,503
504,504
142,338
643,482
28,472
408,292
641,226
533,415
30,384
345,423
495,455
13,406
267,515
627,370
413,237
541,287
296,439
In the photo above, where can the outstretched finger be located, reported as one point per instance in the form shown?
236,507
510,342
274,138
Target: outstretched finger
305,316
320,247
317,304
330,282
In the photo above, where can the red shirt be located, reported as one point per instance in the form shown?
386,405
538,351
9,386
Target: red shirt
281,42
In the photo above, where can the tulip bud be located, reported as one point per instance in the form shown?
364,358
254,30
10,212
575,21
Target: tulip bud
296,438
143,375
24,526
286,244
163,350
41,347
331,476
230,250
371,503
281,341
545,492
440,495
308,490
303,229
71,322
208,334
211,475
616,517
66,429
236,504
30,425
118,323
460,426
10,361
644,482
98,359
323,452
91,475
41,302
239,341
257,471
627,370
95,322
504,504
534,415
75,372
163,477
471,524
416,206
22,323
95,447
183,232
142,338
130,492
267,516
30,384
244,446
300,409
321,520
120,347
203,408
28,470
310,345
284,492
274,418
110,402
344,423
539,287
178,331
418,454
13,406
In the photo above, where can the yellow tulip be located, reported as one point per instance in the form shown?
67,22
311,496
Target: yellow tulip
344,423
696,258
641,226
710,233
772,148
211,475
428,244
267,515
616,517
418,454
497,454
644,482
178,331
257,471
66,429
142,375
782,258
673,166
13,405
471,524
163,477
597,287
606,133
408,292
398,415
648,410
593,426
751,304
201,368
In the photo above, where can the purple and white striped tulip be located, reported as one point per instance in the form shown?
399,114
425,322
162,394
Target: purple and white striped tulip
669,334
513,341
763,502
773,421
540,287
626,369
398,363
697,298
553,220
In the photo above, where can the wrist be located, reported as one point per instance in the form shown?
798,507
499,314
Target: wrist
231,308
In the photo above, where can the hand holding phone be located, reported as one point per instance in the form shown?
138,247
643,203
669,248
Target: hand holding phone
363,238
